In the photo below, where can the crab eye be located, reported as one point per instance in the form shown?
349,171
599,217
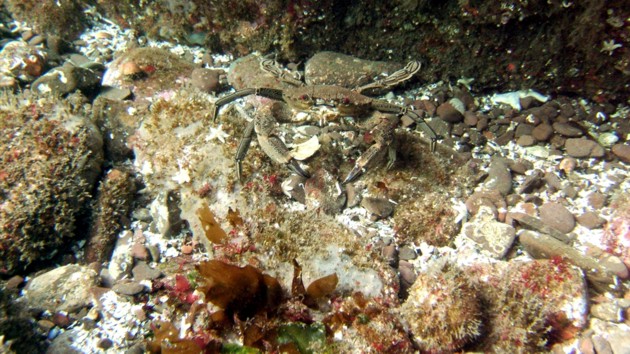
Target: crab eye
345,100
304,97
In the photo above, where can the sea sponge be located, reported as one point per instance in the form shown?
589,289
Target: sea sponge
442,310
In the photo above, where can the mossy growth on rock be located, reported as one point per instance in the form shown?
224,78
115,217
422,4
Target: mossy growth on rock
443,311
64,18
528,306
150,69
50,157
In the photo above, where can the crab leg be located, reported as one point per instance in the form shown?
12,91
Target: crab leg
433,136
278,152
243,146
272,145
383,134
272,67
260,91
394,79
386,107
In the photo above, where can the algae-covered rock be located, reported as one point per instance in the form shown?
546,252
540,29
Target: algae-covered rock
50,157
147,70
443,311
330,68
58,17
19,60
529,305
115,196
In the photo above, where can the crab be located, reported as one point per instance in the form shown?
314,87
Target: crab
347,102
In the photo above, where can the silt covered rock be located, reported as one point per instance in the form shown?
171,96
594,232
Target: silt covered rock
65,288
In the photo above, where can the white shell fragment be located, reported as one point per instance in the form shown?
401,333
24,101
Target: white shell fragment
513,98
306,149
608,139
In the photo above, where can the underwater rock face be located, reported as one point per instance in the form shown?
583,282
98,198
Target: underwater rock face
548,45
398,219
51,158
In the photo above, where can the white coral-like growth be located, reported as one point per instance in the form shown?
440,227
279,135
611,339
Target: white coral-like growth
610,46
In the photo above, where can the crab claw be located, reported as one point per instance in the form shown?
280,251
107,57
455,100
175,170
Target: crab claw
372,155
356,172
294,166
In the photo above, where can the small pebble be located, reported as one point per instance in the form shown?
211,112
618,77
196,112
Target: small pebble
380,207
520,166
622,151
61,319
601,345
128,288
390,254
526,140
451,111
45,325
407,275
531,182
105,343
615,265
569,191
154,251
37,40
499,177
492,199
538,151
407,253
557,216
542,132
578,147
483,122
568,165
607,311
553,181
591,220
116,94
513,199
138,251
470,119
206,80
566,129
596,200
523,129
608,139
187,249
142,271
